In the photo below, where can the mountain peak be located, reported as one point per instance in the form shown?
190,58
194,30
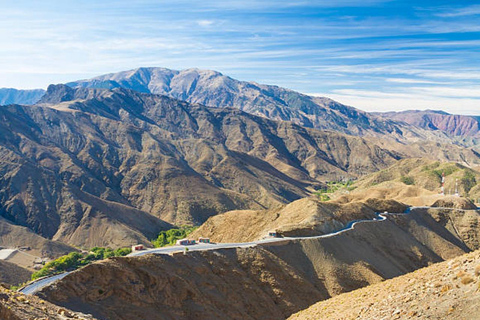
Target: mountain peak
57,93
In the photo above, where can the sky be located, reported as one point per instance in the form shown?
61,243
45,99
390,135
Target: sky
376,55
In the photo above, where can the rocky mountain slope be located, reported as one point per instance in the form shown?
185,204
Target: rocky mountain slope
15,96
455,125
263,282
214,89
108,167
111,163
448,290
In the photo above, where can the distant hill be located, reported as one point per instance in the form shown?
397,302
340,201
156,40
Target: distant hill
455,125
426,174
15,96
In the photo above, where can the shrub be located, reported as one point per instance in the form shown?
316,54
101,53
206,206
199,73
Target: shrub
407,180
170,237
477,270
75,260
468,180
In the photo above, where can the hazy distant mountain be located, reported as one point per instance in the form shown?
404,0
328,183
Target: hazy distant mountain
14,96
456,125
214,89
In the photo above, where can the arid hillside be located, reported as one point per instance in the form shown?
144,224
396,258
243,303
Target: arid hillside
119,163
447,290
262,282
12,275
305,217
413,175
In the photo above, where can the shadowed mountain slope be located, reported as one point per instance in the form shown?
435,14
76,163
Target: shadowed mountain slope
102,167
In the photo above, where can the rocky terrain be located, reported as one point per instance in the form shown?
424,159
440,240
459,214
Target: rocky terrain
16,306
262,282
447,290
117,163
216,90
305,217
14,96
115,167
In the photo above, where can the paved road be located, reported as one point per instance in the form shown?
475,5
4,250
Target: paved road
37,286
42,283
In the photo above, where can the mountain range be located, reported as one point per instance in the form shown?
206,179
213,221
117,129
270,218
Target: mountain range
121,162
213,89
114,166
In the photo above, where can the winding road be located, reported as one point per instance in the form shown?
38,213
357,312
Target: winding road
40,284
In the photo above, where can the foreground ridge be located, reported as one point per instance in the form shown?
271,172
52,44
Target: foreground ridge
447,290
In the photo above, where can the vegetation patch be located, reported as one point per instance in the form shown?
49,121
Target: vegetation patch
468,180
334,186
170,237
407,180
75,260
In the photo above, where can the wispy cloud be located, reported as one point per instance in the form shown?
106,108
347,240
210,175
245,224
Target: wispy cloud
369,46
460,12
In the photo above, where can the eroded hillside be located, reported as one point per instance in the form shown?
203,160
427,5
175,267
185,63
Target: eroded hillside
304,217
119,163
262,282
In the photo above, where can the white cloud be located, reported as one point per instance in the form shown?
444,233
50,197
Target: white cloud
412,81
455,100
205,23
459,12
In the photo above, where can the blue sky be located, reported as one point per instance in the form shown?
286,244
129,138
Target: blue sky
373,54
